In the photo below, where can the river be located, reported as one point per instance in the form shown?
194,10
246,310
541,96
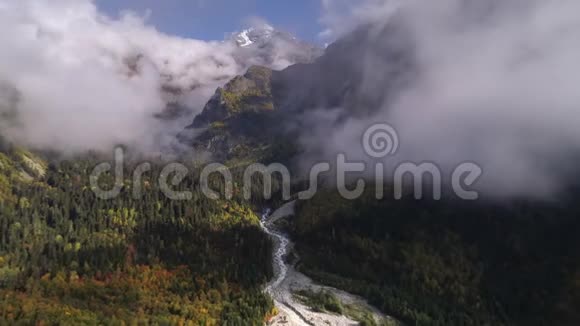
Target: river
287,280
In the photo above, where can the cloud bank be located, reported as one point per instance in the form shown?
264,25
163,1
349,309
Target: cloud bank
494,82
73,79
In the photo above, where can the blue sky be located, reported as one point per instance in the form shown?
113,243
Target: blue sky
212,19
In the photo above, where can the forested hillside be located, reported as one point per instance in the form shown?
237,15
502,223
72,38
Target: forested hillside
68,258
447,263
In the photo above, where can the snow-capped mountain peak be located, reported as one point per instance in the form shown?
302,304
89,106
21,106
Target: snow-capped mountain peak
265,45
253,35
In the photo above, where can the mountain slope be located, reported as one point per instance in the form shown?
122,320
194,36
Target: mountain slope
513,262
277,104
69,258
241,123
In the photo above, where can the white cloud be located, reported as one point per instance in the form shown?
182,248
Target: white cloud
88,81
495,83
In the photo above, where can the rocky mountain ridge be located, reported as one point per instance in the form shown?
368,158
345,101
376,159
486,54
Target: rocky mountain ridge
275,102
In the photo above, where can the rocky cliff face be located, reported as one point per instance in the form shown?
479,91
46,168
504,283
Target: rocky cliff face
251,92
238,122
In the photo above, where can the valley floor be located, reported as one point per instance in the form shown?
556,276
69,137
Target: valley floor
288,281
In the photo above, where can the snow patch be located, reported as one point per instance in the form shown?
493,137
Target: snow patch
244,38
